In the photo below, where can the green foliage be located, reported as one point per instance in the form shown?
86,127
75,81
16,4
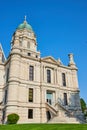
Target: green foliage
85,114
83,104
12,118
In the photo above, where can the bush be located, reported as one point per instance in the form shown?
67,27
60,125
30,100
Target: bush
12,118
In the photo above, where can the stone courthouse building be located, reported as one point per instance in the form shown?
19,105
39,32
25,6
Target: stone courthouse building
38,89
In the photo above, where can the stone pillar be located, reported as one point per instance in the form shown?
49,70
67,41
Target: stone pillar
74,79
71,61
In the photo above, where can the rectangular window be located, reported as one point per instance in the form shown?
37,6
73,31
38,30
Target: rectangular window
65,99
30,113
31,73
7,75
30,95
3,116
48,76
5,100
63,79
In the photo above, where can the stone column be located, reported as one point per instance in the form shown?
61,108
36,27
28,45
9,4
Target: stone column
13,84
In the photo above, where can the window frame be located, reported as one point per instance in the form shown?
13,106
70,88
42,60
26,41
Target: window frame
5,96
30,113
65,99
30,96
31,73
48,76
63,79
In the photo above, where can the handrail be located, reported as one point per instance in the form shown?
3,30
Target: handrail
51,108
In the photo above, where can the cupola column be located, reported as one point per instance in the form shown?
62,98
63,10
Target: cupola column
71,61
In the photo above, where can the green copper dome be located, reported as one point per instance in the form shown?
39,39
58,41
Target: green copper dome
25,25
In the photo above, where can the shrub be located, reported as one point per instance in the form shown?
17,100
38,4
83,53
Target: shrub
85,114
83,104
12,118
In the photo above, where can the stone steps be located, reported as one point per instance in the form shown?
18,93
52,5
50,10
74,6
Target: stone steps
66,117
58,119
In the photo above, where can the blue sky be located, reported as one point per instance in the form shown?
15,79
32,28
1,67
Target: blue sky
60,27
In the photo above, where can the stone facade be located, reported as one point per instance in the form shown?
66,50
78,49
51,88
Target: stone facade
38,89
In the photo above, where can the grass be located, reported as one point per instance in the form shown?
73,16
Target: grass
44,127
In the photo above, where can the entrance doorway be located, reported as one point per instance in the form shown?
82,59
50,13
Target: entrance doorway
49,97
48,115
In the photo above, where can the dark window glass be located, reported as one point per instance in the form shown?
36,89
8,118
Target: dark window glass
7,75
30,113
63,79
48,76
5,100
31,73
29,54
65,99
30,95
36,56
3,117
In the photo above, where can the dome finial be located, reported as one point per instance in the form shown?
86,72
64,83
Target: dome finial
25,19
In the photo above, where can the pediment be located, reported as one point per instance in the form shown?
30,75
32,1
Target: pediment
49,59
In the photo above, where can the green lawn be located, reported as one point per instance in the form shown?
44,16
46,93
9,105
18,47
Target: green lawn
44,127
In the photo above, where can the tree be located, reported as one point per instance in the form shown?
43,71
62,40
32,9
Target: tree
83,104
12,118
